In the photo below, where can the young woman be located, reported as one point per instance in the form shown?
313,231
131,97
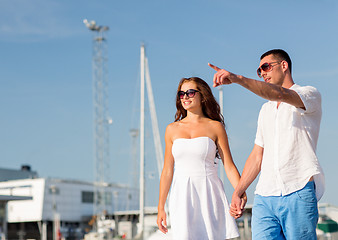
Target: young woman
198,206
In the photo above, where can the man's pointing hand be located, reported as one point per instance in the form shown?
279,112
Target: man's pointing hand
221,76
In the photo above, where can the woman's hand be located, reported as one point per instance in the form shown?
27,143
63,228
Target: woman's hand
162,221
237,205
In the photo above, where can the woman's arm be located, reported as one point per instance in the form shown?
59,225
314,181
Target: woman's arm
226,157
165,181
229,165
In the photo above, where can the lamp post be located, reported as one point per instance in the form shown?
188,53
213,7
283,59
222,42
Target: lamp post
56,216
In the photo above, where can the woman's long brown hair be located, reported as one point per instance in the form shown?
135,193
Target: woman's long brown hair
210,107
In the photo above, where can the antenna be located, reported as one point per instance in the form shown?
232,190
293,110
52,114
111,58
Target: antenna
101,119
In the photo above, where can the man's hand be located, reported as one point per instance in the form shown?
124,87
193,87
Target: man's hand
237,205
244,200
162,221
222,76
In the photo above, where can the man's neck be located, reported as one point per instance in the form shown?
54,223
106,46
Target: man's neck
288,82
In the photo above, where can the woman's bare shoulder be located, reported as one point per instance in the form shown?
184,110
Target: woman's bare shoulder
172,128
216,128
215,124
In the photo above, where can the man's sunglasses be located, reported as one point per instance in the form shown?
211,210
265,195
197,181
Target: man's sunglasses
190,93
266,67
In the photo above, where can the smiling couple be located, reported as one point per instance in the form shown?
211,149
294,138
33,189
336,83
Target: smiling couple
291,180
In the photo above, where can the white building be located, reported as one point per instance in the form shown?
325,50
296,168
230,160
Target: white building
71,200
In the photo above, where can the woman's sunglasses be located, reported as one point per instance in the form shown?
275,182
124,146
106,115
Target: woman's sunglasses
266,67
190,93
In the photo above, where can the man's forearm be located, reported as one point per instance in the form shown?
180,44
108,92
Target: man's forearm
265,90
247,178
251,170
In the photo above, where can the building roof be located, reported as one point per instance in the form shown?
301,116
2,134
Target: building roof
6,198
14,174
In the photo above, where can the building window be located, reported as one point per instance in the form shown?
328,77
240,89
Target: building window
54,190
2,211
108,198
87,197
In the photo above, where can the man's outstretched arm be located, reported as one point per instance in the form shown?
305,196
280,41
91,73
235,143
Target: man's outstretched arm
263,89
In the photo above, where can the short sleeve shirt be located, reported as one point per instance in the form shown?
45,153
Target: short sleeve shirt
289,137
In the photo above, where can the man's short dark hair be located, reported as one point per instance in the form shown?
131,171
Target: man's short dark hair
280,55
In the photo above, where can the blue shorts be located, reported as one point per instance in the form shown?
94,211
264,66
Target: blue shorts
293,216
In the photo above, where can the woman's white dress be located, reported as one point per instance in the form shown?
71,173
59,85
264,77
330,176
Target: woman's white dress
198,206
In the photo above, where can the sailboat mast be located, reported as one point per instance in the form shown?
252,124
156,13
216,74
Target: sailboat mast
154,122
220,88
142,88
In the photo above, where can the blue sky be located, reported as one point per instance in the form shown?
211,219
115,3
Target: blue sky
46,75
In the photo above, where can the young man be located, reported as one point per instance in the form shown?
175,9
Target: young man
291,180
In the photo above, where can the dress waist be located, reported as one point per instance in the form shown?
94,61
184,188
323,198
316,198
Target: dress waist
196,173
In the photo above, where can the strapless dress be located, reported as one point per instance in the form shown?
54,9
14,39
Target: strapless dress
198,207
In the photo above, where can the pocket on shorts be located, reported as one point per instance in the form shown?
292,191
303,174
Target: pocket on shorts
307,194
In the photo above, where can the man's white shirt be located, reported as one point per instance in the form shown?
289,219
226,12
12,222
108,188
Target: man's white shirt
289,137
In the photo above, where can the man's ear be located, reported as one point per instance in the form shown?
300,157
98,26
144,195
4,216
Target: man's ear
285,65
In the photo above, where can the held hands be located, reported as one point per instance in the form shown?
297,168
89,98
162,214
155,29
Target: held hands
162,218
237,205
222,76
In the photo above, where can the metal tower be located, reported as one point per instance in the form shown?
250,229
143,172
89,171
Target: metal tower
101,119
